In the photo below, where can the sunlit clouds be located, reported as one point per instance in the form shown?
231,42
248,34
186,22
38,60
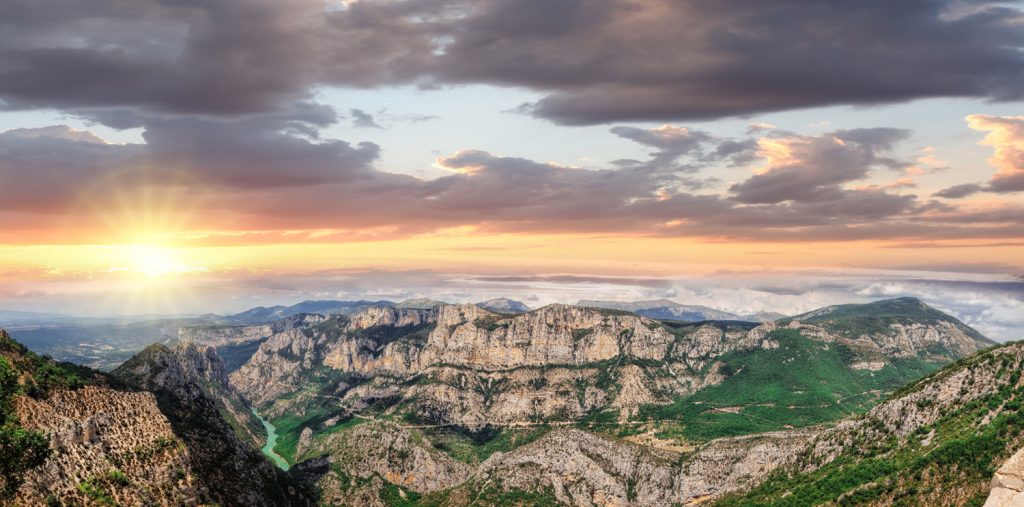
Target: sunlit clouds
1006,137
199,156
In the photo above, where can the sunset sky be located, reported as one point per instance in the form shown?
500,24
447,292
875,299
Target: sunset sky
176,157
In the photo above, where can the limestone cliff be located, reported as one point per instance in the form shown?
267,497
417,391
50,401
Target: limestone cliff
228,335
190,385
151,436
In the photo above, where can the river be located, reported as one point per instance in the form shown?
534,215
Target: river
268,449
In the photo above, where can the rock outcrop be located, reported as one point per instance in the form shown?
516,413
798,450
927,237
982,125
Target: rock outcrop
232,335
1008,483
191,389
98,433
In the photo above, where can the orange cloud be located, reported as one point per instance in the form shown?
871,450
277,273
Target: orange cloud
1005,134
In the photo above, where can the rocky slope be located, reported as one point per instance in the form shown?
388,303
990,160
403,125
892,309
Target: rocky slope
470,381
190,384
114,444
945,440
233,335
504,305
473,367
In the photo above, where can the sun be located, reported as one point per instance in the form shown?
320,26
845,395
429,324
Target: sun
153,261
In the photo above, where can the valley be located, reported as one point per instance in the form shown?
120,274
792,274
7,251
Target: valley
436,404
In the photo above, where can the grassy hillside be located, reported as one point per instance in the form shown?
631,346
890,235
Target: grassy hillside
801,383
948,460
857,319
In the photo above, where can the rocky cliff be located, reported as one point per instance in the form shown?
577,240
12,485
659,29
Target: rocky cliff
230,335
191,388
150,435
467,380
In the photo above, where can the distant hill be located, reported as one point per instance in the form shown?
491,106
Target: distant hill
266,314
664,309
504,305
851,319
419,304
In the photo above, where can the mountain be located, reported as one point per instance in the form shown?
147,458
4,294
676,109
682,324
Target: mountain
191,386
420,303
664,309
504,305
263,315
460,385
81,437
953,438
436,404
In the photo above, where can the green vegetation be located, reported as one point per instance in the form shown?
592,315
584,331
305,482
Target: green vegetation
397,496
20,449
801,383
497,495
963,449
96,490
477,447
237,354
854,320
289,428
579,334
491,323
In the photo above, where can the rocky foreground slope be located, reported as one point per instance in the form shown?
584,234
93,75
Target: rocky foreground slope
151,437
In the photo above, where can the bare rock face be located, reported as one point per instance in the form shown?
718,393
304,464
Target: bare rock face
584,469
731,464
384,451
275,368
191,389
232,335
1008,483
391,316
470,336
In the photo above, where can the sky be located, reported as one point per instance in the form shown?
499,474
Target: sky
175,157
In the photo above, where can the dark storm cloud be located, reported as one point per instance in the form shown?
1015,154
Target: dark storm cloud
664,59
597,60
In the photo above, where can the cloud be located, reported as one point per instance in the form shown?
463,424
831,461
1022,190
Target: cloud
362,119
811,168
671,143
959,191
58,132
660,60
1005,134
269,177
597,61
